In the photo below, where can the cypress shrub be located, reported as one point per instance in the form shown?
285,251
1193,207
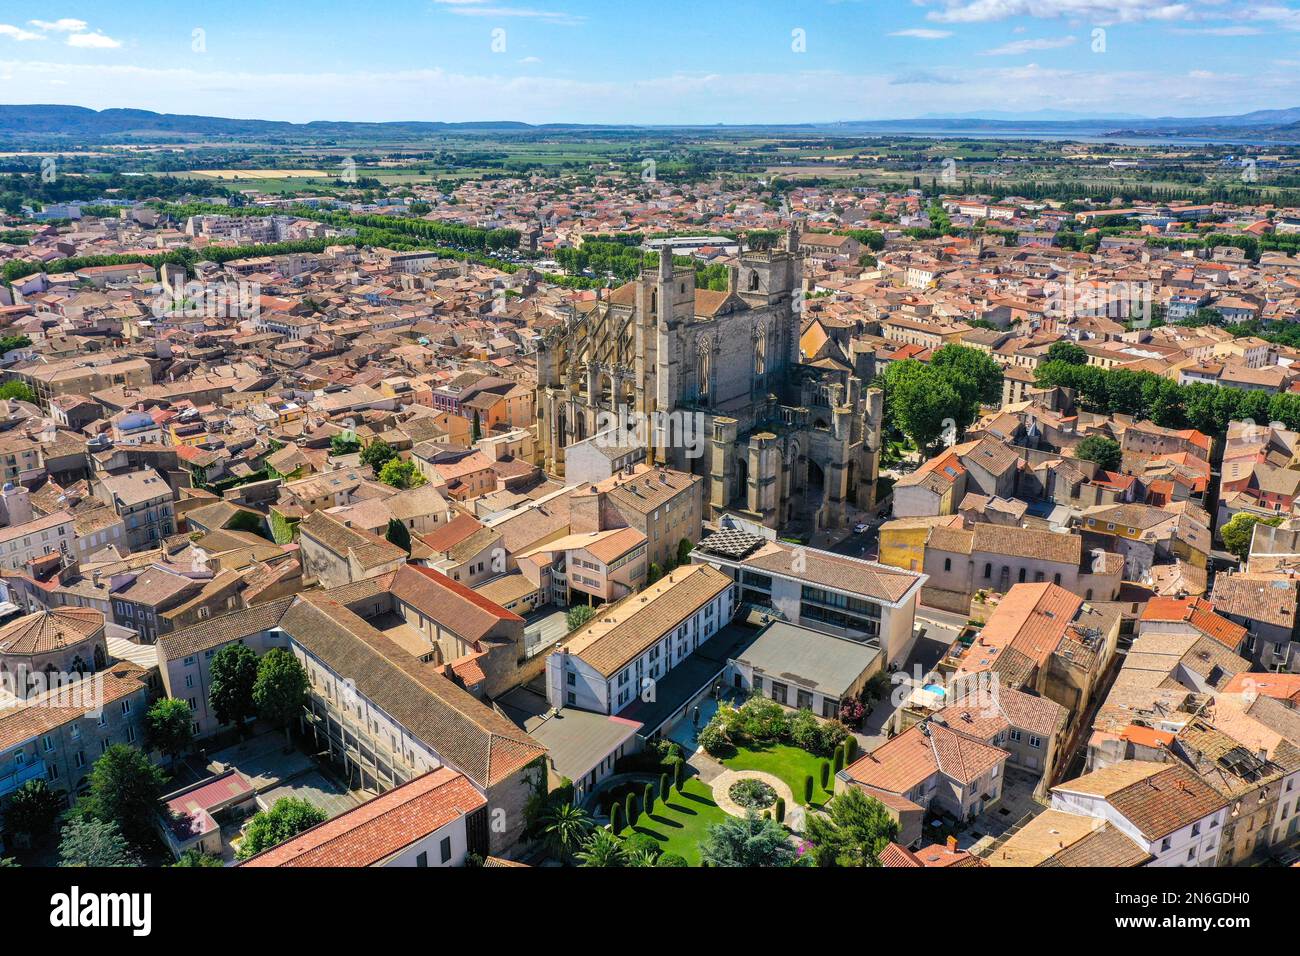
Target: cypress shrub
807,788
630,808
679,776
616,819
780,809
850,749
663,787
826,773
839,760
648,798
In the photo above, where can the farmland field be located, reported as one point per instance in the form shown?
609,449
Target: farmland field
259,173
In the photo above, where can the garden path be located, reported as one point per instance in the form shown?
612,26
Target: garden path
721,785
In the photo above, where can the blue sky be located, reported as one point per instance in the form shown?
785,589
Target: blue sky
666,61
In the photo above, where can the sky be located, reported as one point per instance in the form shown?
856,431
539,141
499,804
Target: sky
658,62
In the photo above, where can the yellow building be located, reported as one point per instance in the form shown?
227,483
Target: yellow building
902,541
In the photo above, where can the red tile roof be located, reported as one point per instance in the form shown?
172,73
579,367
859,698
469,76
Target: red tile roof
371,833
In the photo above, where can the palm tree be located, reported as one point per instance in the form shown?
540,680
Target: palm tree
602,849
565,828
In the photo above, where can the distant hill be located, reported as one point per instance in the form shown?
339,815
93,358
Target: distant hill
79,124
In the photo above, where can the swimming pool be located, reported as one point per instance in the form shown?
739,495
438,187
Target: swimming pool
936,689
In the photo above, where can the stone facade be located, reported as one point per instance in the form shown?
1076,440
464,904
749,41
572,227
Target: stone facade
711,383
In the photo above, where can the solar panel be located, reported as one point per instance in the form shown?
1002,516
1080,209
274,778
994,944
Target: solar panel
731,543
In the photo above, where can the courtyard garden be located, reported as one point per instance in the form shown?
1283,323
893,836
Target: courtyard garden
792,764
679,824
776,766
801,750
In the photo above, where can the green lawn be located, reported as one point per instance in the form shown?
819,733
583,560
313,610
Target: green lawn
680,826
789,763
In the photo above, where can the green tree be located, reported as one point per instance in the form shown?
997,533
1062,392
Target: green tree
168,727
401,474
280,690
684,549
565,828
377,454
33,808
398,534
18,391
602,849
631,810
196,857
971,372
345,443
94,843
288,817
1237,533
234,672
854,832
1068,352
923,404
124,789
1100,449
747,842
577,616
476,428
616,818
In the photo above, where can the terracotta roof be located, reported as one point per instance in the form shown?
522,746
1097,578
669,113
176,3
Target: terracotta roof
477,740
1200,614
1268,598
47,631
622,632
834,570
1157,798
1029,543
222,629
369,550
1057,838
900,764
371,833
47,711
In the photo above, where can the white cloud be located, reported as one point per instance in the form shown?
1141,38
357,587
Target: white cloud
1103,12
93,41
18,33
1242,31
478,8
1016,47
921,33
675,98
64,25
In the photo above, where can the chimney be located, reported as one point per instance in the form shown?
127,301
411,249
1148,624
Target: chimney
952,844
